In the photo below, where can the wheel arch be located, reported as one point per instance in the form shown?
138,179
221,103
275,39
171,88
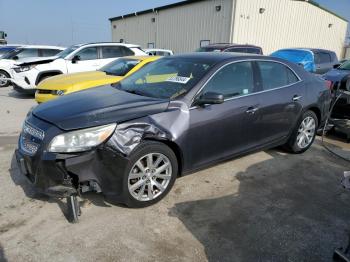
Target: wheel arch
175,148
317,112
46,73
3,70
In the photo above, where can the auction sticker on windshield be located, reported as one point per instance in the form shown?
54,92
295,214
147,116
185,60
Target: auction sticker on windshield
178,79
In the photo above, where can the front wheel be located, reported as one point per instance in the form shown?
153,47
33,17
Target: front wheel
3,82
150,174
304,133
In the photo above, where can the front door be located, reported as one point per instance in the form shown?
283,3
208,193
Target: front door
85,60
218,131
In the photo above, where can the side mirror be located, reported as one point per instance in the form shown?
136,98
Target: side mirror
210,98
75,59
15,58
336,66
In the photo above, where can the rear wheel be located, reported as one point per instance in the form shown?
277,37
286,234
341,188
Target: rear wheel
3,82
304,133
150,174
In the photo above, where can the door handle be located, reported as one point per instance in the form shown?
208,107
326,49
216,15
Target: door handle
296,98
252,110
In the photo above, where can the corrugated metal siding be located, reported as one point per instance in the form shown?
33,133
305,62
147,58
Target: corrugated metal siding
287,23
180,29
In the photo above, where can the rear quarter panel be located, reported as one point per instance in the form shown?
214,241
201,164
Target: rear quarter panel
318,95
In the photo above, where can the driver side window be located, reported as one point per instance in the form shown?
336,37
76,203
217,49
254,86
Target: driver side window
235,79
89,53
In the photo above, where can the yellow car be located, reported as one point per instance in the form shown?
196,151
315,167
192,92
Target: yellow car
113,72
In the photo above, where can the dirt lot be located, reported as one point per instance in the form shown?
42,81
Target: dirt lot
268,206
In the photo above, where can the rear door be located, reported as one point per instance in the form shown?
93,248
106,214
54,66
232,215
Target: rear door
218,131
110,53
280,100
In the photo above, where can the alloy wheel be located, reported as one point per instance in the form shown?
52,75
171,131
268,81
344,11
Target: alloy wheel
149,177
3,82
306,132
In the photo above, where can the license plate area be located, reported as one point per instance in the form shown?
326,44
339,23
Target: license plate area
25,168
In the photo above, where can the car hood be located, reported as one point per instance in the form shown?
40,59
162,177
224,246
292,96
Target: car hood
97,106
78,81
336,75
6,62
36,60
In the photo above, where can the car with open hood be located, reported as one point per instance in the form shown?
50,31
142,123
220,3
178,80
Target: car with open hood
132,139
113,72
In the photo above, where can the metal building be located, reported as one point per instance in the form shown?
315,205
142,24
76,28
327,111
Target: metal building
271,24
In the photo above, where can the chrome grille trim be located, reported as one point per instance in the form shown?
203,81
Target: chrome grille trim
33,131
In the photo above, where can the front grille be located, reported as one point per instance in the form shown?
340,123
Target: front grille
30,139
43,91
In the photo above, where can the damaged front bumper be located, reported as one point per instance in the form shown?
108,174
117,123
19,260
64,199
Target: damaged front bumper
61,175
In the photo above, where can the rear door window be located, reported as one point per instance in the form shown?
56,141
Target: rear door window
49,52
115,51
235,79
275,75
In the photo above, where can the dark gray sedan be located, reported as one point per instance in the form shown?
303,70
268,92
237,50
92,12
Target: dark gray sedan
131,140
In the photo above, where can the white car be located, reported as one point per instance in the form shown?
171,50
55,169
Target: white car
77,58
19,53
159,52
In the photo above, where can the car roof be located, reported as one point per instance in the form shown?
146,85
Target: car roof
227,45
42,46
107,43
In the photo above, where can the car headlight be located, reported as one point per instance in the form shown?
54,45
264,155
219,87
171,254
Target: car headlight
21,69
81,140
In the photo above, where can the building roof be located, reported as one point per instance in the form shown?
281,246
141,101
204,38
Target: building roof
186,2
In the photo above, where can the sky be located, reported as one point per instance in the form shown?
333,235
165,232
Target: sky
66,22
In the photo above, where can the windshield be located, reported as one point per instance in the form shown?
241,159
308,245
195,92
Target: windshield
11,54
67,51
167,78
120,67
4,51
296,56
345,66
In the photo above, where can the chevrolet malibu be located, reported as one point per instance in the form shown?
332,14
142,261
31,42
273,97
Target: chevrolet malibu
131,140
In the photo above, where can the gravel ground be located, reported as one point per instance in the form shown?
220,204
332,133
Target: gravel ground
268,206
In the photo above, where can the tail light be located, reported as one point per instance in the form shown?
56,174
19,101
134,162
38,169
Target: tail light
329,84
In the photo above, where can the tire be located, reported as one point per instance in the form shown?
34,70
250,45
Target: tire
298,143
73,209
137,183
4,74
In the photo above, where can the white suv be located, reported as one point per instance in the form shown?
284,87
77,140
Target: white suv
19,53
78,58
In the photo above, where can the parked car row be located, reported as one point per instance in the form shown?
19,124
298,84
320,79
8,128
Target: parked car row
130,140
